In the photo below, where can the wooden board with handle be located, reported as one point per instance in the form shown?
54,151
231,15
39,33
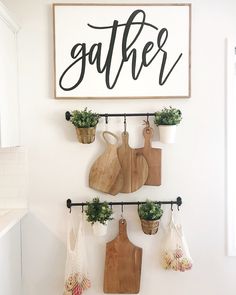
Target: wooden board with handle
153,158
134,166
122,264
106,174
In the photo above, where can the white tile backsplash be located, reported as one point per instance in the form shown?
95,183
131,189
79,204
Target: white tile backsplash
13,177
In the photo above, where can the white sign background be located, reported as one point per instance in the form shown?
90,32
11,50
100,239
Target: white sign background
71,28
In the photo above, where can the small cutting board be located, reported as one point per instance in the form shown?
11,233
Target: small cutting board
134,166
106,174
153,158
122,264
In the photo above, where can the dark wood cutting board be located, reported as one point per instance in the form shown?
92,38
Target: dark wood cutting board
153,158
106,174
122,264
134,166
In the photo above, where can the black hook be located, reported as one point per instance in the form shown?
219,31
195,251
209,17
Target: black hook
106,118
171,205
138,206
82,208
122,210
148,123
125,125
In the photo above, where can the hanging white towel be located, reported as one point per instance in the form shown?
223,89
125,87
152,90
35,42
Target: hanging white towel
76,270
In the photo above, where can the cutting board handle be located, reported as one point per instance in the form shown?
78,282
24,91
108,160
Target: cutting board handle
125,138
123,228
112,134
148,134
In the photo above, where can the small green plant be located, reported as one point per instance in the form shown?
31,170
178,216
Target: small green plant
98,211
84,119
150,211
168,116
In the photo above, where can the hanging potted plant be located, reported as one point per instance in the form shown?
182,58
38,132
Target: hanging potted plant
150,214
166,120
85,123
98,213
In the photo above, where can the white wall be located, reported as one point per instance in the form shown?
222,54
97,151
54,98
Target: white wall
13,178
192,168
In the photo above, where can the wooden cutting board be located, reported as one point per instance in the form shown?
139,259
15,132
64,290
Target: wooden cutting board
153,158
106,174
122,264
134,166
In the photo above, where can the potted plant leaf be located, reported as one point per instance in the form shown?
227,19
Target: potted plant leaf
85,123
98,213
166,120
150,214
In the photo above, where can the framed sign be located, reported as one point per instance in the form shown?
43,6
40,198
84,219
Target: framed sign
122,50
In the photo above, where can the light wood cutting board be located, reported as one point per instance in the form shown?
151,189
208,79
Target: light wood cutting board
134,166
153,158
106,174
122,264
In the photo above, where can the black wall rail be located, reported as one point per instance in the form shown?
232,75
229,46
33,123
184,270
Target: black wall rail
68,115
178,202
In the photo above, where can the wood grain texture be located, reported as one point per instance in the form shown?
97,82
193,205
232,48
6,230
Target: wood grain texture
122,264
106,174
153,158
134,166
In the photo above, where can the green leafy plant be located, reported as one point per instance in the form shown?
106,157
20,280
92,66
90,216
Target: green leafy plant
84,119
98,211
168,116
150,211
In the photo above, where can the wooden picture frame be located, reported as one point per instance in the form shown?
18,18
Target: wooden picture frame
122,50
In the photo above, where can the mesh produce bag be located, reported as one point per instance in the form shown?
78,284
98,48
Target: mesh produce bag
76,271
175,255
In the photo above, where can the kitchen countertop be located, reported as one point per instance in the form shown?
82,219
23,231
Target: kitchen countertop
9,218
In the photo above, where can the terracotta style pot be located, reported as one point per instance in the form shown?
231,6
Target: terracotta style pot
150,227
86,135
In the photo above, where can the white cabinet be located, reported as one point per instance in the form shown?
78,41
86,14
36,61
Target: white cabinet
10,262
9,106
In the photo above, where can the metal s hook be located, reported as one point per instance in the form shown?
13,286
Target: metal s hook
125,124
106,118
148,123
122,211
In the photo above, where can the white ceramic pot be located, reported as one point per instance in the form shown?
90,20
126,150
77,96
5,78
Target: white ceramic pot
99,229
167,133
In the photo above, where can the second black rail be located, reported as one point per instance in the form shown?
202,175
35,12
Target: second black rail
177,202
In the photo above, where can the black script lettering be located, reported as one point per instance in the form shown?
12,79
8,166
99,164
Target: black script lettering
128,52
164,58
82,50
